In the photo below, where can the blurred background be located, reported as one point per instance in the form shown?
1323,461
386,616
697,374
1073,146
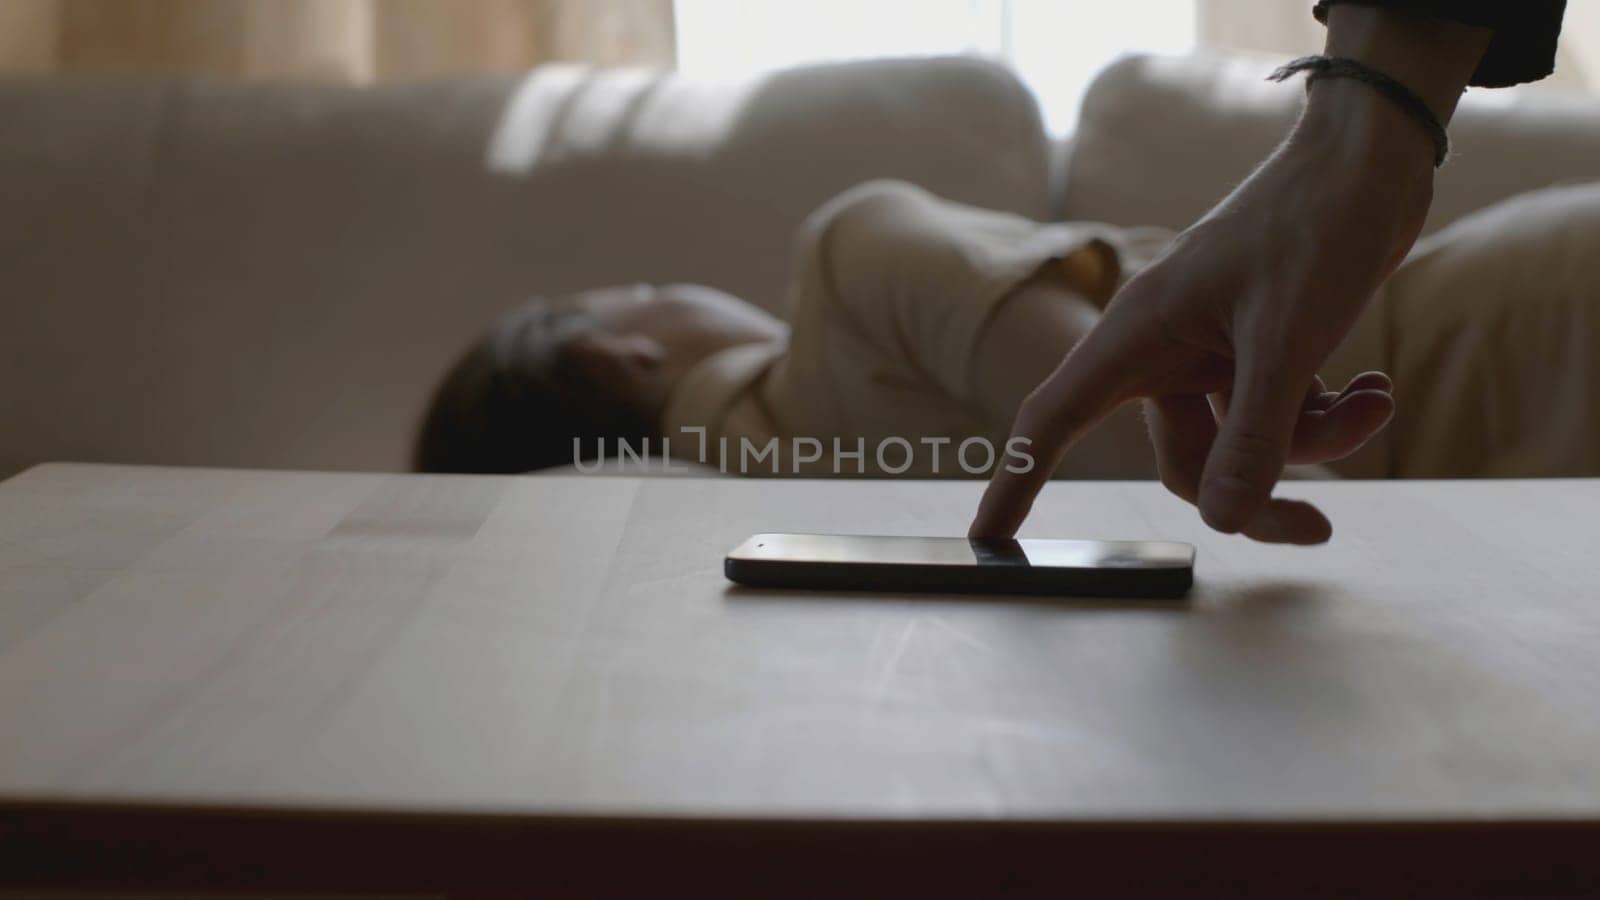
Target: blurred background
1055,46
256,232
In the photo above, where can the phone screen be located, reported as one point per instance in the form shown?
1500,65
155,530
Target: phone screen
964,552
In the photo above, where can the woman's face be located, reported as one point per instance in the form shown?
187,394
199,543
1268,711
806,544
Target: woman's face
690,317
633,342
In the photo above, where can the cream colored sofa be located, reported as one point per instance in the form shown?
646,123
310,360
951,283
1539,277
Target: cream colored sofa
243,275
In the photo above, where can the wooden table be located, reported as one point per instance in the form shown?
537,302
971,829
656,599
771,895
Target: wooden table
373,682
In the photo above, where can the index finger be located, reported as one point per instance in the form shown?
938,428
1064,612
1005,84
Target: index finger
1077,396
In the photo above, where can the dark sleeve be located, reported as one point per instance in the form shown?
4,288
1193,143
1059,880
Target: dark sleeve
1524,44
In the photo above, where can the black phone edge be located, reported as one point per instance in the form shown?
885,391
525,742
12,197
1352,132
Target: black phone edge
1108,582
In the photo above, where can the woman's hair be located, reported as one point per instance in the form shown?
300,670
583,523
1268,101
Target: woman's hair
518,400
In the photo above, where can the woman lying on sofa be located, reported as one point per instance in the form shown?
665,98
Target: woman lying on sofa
916,327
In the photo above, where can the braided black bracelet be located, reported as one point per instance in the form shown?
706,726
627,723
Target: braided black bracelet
1342,67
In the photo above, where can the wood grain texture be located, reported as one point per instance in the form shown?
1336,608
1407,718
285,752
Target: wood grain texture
566,649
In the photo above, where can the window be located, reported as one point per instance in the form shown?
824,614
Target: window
1056,46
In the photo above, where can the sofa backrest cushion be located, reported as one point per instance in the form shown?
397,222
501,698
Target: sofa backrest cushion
1162,139
214,273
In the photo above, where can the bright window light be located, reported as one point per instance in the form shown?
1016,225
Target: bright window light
1056,46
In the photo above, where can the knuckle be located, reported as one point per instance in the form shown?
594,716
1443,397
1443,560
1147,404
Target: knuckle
1252,441
1248,451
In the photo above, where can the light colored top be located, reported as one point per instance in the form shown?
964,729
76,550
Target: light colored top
549,644
891,291
1489,328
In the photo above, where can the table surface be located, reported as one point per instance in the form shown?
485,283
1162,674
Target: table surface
567,646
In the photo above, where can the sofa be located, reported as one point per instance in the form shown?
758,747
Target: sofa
209,273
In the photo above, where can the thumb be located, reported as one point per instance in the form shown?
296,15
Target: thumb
1251,446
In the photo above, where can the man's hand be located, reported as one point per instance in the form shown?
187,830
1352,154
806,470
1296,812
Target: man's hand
1223,334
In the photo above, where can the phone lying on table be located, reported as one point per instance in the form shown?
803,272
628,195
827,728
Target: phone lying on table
962,565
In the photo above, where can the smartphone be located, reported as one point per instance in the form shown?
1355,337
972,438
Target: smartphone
960,565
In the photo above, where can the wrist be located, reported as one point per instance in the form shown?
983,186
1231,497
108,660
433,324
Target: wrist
1361,131
1433,58
1354,144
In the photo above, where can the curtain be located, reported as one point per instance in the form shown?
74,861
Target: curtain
1287,28
1273,26
355,41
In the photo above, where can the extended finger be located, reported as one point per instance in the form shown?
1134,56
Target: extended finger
1252,445
1317,397
1369,381
1182,430
1085,389
1343,428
